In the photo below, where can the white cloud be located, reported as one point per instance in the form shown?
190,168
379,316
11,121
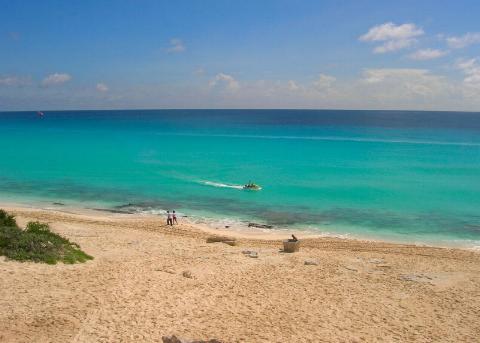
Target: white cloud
427,54
101,87
471,70
55,79
176,45
395,88
324,82
404,82
394,37
14,81
390,31
463,41
393,45
292,85
228,80
381,75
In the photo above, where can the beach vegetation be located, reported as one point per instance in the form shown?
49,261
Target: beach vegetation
36,243
7,219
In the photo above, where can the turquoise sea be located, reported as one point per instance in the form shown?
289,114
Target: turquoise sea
393,175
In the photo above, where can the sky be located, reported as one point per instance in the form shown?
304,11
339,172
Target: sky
407,55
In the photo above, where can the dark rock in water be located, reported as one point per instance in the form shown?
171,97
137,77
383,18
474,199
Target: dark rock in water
59,203
260,226
175,339
125,205
112,210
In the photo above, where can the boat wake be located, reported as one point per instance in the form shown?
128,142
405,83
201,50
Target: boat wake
221,185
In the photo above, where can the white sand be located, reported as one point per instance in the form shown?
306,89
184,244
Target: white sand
134,290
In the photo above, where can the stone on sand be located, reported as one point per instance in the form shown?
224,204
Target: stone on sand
311,262
187,274
250,253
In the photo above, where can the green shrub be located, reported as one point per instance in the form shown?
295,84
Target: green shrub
37,243
7,219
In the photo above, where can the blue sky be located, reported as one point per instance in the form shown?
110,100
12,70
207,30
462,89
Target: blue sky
240,54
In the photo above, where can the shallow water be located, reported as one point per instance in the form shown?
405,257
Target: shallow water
408,176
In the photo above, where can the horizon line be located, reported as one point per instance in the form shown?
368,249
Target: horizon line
238,109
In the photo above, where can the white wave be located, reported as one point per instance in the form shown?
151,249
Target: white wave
221,185
335,138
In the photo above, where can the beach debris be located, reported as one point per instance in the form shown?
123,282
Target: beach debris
231,243
351,268
383,266
260,226
250,253
311,262
175,339
165,270
59,203
415,277
187,274
291,245
215,239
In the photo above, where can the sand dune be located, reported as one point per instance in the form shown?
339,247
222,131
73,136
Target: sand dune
135,291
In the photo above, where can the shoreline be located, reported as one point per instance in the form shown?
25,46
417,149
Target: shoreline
239,230
203,231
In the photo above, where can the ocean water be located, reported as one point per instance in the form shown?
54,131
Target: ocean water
403,176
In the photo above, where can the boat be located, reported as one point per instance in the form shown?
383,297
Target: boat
252,186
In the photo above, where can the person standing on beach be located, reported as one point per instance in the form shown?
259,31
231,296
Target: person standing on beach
169,218
174,217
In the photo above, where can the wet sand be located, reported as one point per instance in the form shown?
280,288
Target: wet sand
149,280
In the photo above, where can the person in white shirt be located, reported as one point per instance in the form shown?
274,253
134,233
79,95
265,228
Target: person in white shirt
169,218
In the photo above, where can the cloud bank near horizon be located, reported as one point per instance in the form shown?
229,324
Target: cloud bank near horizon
389,64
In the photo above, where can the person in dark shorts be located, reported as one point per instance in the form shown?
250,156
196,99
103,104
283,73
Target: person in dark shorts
174,218
169,218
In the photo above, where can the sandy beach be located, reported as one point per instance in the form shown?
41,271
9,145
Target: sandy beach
149,280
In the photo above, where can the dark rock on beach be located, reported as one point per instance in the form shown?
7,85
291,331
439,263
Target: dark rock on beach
260,226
